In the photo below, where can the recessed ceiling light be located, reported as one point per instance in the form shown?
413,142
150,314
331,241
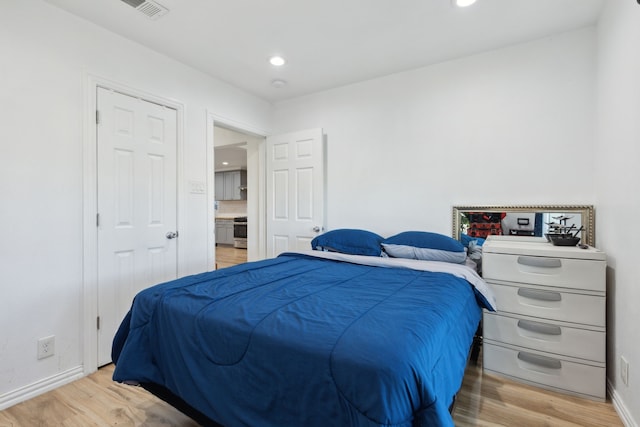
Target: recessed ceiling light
277,83
464,3
277,61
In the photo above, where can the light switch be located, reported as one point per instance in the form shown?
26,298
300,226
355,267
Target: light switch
197,187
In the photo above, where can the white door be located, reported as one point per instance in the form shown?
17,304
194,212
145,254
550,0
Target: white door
295,190
137,204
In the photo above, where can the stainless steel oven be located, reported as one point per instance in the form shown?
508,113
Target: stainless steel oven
240,232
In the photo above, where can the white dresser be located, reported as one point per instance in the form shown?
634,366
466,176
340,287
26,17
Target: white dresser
550,327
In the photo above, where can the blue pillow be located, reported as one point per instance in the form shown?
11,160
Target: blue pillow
425,246
349,241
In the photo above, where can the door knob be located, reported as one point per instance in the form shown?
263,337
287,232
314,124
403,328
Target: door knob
172,235
316,229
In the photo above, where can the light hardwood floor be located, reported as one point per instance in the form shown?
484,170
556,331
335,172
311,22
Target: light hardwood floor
484,400
227,256
95,400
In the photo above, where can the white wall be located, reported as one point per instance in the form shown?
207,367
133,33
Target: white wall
617,181
45,56
511,126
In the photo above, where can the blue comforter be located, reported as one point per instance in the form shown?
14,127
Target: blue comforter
301,341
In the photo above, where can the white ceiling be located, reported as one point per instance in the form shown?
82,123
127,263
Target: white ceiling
234,156
230,147
329,43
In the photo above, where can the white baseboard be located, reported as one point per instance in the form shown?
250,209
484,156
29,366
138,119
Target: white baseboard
620,407
25,393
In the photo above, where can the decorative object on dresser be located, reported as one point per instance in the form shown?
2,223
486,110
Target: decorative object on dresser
550,328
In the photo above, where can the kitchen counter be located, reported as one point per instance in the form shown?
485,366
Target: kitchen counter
229,215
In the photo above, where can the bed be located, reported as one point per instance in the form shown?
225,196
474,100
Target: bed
312,338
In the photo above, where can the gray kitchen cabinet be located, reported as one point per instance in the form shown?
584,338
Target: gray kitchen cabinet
224,231
231,185
219,189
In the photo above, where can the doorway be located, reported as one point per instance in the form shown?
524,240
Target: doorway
308,145
237,172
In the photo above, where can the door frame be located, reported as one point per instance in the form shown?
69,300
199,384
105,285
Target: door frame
256,203
90,201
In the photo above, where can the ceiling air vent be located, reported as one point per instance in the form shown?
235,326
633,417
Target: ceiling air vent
150,8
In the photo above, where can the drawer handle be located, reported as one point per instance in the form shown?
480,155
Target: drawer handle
541,328
536,359
533,261
540,295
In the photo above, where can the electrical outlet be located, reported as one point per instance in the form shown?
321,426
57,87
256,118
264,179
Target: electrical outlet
46,347
624,370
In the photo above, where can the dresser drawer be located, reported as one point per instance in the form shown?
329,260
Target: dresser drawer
555,304
547,271
546,370
545,335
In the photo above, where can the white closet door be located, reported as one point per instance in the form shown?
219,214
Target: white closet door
137,204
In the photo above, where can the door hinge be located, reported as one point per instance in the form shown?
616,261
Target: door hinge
98,220
97,117
98,322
